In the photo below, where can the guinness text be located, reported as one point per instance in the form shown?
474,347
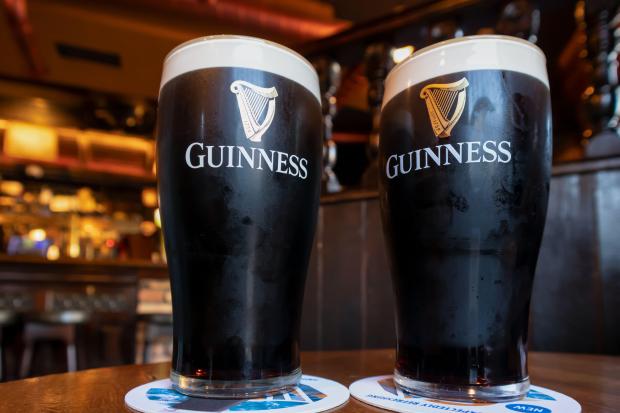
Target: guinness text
447,154
198,156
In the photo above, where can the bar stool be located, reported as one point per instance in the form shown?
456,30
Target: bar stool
56,325
7,317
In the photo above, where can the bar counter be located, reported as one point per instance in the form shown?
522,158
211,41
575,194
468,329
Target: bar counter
593,380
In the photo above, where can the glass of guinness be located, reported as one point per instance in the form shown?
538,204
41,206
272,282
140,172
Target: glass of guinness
465,158
239,168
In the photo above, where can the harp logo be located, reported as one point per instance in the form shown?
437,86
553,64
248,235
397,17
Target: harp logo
257,107
445,103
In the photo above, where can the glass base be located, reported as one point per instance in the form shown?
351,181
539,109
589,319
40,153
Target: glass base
224,389
464,393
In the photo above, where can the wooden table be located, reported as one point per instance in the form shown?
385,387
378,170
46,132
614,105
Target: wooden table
592,380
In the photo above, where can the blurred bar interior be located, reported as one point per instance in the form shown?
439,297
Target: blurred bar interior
83,280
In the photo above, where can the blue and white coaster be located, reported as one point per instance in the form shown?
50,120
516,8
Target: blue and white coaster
380,391
313,394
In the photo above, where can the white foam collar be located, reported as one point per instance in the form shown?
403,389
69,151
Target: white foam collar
240,51
467,54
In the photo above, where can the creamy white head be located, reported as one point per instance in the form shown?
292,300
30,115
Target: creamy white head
466,54
240,51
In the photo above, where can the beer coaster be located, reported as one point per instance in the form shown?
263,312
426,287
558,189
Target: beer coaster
313,394
380,391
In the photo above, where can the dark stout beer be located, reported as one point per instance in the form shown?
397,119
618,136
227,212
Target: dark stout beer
465,157
239,166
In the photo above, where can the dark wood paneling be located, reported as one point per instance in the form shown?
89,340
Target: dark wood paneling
341,275
566,295
379,332
348,300
608,214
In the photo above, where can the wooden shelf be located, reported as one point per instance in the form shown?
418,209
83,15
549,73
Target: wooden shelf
77,175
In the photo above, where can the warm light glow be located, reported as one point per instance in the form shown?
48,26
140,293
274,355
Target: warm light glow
89,228
29,197
37,234
580,9
7,201
118,141
85,200
149,197
35,171
31,142
147,228
589,91
13,188
401,53
39,103
45,196
53,253
157,218
62,203
40,143
74,250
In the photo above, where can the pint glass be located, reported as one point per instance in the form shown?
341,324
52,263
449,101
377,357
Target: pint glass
239,169
465,159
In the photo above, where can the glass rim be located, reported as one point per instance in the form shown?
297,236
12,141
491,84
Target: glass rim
463,40
237,51
467,54
238,37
